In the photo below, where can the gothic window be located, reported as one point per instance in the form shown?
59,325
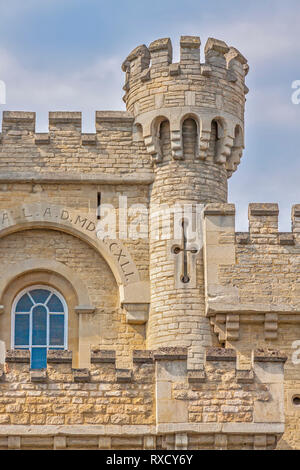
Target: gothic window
39,323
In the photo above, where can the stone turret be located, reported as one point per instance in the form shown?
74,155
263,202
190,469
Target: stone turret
191,118
211,93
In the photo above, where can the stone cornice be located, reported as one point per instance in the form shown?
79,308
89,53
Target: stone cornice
216,308
56,178
141,430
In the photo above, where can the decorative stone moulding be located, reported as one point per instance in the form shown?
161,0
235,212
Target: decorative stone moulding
59,357
123,375
219,354
170,354
39,375
103,357
268,355
245,376
223,304
18,355
196,376
230,148
81,375
142,356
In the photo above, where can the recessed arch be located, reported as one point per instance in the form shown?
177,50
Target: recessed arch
50,266
64,219
193,116
190,137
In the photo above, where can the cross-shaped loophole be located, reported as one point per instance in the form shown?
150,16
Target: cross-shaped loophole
185,278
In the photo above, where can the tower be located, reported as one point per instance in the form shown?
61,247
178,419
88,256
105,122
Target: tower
191,118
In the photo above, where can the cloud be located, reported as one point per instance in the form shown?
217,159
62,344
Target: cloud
16,8
272,105
262,33
98,86
265,36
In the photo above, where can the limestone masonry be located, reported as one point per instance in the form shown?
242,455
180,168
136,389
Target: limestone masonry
145,342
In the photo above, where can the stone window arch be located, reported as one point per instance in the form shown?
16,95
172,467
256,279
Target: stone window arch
39,323
190,137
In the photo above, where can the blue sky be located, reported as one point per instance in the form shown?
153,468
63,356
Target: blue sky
66,55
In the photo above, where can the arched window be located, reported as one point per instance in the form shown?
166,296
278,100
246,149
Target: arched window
39,323
190,139
165,140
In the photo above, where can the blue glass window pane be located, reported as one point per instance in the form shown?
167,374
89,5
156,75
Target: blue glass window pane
39,325
57,330
24,304
38,358
22,330
55,305
40,295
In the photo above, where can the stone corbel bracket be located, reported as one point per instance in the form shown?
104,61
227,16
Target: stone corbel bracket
226,150
135,299
226,327
153,147
230,146
205,133
234,147
176,144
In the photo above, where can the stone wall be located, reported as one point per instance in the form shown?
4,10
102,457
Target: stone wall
157,403
255,300
178,142
107,325
67,152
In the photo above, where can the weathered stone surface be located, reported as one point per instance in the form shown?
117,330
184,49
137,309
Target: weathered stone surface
38,375
142,356
17,355
269,355
81,375
123,375
220,354
103,356
58,357
135,375
170,354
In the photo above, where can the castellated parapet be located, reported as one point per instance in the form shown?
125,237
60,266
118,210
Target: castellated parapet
212,93
156,404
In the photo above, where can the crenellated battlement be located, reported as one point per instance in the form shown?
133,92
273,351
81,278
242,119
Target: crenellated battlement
169,339
158,404
144,63
210,93
21,124
105,361
263,224
251,277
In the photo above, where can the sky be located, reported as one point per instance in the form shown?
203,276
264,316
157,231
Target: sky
67,54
